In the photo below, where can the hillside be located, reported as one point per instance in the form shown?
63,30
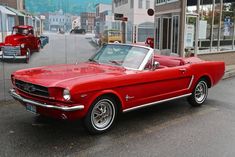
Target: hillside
74,7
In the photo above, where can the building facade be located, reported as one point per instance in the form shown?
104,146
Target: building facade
7,21
104,19
17,4
88,21
58,21
184,27
139,25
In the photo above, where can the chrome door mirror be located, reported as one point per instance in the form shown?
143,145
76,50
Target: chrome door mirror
155,65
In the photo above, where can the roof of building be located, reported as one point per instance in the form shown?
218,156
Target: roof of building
15,11
4,10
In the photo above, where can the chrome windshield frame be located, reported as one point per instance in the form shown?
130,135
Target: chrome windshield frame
148,56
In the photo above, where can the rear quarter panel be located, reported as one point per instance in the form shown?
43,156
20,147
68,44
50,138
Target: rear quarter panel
211,69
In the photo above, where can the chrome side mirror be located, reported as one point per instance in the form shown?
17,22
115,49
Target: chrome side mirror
155,65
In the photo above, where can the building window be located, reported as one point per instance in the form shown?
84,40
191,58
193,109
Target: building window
11,23
157,33
132,3
165,1
140,4
216,31
160,1
147,4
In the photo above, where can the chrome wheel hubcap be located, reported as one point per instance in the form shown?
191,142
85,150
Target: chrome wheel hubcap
201,92
103,114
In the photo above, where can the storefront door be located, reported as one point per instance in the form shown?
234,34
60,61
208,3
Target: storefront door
170,35
175,34
191,38
166,30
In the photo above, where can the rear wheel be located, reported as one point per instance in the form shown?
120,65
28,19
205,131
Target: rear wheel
199,94
101,115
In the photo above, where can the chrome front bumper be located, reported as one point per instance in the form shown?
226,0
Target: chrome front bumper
12,57
62,108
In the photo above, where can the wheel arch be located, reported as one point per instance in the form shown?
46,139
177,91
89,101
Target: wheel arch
110,93
208,80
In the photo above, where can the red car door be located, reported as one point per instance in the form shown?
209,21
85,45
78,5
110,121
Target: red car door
158,85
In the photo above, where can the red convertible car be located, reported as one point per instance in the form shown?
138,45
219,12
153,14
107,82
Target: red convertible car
118,78
20,44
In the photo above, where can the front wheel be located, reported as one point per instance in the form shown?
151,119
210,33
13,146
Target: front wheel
199,94
101,115
38,47
27,56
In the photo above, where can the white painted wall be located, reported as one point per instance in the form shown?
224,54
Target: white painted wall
135,14
126,10
140,15
104,7
1,37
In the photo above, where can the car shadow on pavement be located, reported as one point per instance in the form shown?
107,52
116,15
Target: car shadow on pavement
64,136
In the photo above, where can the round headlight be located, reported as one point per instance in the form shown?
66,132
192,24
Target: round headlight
22,45
66,95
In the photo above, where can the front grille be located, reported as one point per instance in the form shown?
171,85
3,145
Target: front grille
32,88
11,50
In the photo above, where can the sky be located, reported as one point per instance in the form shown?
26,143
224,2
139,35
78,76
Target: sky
68,6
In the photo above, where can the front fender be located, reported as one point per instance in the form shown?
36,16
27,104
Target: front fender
88,98
105,92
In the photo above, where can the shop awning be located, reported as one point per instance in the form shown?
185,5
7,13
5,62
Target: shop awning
27,14
205,2
4,10
37,18
15,11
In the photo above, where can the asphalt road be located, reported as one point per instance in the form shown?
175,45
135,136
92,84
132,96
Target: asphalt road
62,49
172,129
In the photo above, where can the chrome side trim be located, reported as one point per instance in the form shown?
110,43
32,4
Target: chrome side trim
191,82
157,102
62,108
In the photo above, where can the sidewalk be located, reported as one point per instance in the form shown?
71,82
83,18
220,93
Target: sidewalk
229,71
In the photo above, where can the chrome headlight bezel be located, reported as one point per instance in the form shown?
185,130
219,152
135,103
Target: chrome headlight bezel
22,46
66,95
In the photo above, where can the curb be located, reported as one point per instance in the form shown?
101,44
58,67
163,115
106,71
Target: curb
228,74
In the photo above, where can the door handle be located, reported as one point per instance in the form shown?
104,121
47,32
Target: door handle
183,70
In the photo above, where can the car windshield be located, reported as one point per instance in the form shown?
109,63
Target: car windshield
114,33
127,56
20,31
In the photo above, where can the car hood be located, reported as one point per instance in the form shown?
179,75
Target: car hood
15,39
66,75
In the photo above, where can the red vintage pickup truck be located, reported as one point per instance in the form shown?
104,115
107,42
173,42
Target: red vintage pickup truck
20,44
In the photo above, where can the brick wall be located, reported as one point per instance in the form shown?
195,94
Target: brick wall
227,57
10,3
17,4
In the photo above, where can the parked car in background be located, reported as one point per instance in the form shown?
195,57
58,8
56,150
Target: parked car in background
111,36
20,44
44,40
78,30
118,78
